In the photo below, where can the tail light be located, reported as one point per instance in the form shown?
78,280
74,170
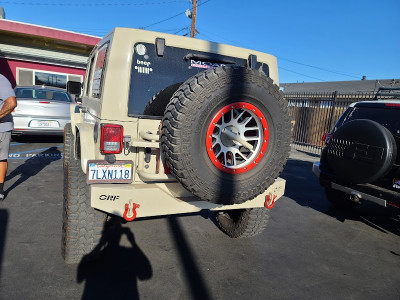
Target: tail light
111,139
326,137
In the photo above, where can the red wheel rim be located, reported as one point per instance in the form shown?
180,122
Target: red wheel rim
237,138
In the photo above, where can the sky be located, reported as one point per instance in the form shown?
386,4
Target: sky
314,40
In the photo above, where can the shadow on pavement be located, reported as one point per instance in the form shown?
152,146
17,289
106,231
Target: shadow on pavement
303,187
33,166
3,234
194,278
114,275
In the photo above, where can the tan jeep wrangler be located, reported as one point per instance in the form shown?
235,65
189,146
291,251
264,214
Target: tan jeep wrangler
172,125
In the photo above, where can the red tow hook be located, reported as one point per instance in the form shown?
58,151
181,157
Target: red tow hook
270,201
133,211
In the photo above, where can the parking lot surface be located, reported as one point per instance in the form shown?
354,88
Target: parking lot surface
309,250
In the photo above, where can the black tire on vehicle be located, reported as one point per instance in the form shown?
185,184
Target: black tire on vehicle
68,144
210,126
242,223
159,102
82,225
339,199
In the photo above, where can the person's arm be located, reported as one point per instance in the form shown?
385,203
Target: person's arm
9,104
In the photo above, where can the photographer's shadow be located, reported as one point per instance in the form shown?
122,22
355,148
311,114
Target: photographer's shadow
114,275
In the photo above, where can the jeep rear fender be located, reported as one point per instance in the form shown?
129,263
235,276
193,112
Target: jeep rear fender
75,116
84,136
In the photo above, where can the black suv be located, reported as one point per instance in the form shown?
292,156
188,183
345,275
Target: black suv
361,160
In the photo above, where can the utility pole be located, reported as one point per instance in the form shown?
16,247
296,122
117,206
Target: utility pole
194,12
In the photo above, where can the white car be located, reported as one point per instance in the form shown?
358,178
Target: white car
41,110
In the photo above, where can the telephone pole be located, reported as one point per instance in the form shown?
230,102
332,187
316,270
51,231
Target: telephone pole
194,12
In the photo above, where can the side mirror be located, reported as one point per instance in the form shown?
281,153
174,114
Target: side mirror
74,87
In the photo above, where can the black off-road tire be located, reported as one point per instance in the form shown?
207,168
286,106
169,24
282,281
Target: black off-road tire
82,225
339,199
68,144
157,104
190,115
243,223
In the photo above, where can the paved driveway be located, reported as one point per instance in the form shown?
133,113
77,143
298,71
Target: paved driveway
309,250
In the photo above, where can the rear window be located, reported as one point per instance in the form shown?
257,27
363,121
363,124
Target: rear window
42,94
388,117
151,73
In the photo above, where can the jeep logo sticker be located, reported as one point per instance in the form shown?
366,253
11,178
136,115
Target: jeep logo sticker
143,67
108,197
203,64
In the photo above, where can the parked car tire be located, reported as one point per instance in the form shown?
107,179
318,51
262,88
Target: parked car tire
226,134
82,225
242,223
68,144
361,151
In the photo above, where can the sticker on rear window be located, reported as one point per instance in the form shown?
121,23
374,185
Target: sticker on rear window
396,183
203,64
143,67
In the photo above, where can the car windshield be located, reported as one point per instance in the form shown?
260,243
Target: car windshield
42,94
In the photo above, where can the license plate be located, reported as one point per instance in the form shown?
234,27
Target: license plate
100,171
44,124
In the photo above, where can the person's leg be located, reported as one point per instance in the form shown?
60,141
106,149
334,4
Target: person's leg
3,172
4,149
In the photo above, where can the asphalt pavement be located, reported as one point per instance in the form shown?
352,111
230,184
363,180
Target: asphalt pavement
309,250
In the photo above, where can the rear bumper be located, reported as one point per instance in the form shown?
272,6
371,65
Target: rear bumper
170,198
18,131
366,192
22,126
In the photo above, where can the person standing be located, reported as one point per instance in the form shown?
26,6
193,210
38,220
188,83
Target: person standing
7,104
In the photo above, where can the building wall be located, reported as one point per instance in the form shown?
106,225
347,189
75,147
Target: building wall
12,68
33,54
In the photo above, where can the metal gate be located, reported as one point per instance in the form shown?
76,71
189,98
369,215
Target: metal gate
314,114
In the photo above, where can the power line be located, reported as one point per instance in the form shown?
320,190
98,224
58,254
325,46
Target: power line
319,68
292,61
301,74
223,38
89,4
182,29
167,19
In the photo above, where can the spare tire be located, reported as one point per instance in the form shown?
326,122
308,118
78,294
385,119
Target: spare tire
361,151
156,106
226,134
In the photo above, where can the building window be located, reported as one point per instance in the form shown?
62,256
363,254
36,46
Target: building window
49,79
39,77
25,77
